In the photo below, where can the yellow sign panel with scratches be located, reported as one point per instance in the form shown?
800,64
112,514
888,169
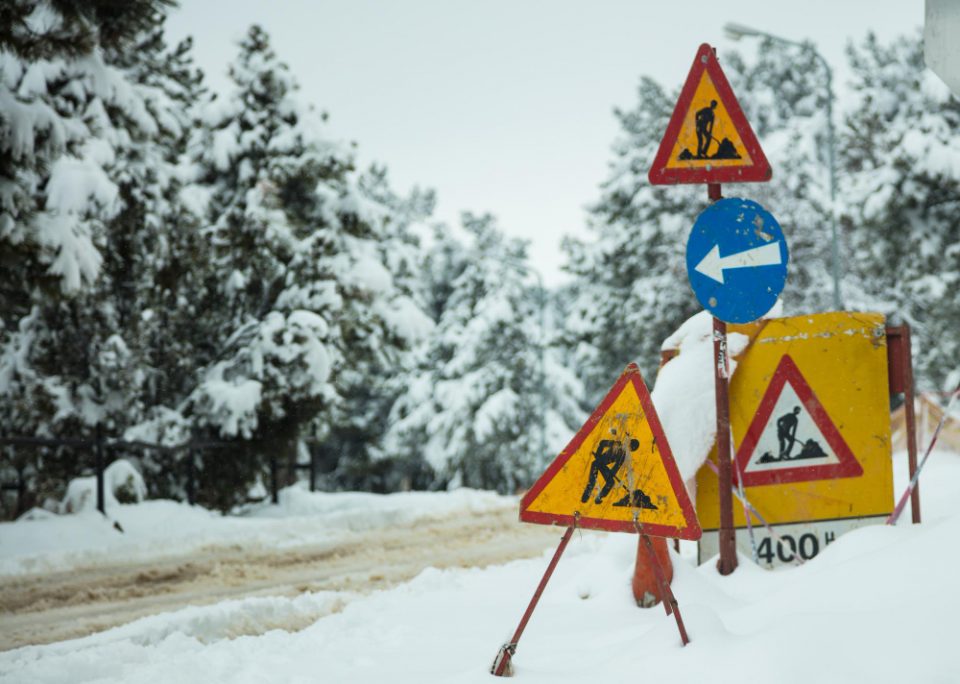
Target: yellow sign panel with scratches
810,416
617,473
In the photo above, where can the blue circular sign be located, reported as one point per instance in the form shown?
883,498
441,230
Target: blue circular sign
737,260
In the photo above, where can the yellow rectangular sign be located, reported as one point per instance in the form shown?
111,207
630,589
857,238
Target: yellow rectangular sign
810,417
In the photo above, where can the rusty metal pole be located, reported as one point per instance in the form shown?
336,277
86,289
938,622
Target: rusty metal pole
727,534
502,661
728,540
911,419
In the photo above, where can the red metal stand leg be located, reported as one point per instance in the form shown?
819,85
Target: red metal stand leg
502,661
911,420
669,600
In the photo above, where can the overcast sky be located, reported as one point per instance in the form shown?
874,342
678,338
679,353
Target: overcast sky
505,105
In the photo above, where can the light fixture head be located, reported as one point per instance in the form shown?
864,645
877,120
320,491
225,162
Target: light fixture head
736,31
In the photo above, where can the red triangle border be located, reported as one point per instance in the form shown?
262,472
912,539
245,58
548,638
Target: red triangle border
787,371
757,172
692,531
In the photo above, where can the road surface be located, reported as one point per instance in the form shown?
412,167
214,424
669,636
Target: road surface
43,608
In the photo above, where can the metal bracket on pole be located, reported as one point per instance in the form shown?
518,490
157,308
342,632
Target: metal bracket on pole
501,664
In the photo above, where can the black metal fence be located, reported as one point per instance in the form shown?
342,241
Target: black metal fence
101,445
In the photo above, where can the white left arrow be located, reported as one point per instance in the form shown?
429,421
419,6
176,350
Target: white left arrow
713,265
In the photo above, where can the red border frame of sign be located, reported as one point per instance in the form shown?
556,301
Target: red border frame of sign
758,172
692,531
848,466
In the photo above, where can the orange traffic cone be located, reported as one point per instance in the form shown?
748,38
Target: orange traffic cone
646,589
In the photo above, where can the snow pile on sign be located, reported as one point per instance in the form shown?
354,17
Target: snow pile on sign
877,605
684,394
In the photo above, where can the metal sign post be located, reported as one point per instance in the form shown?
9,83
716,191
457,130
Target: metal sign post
728,541
709,140
737,264
727,562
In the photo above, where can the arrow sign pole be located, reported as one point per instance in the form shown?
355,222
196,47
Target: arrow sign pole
713,265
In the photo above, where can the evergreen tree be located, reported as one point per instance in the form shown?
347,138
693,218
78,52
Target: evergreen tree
473,405
351,449
69,117
158,269
309,307
902,194
631,288
784,97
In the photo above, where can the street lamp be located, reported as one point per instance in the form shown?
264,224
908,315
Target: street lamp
736,32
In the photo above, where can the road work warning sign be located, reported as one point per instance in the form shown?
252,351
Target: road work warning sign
792,437
617,473
810,415
708,139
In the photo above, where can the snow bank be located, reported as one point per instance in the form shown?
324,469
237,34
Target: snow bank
684,394
160,529
844,616
121,481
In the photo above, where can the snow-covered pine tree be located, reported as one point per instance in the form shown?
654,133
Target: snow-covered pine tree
782,91
350,449
66,115
901,147
630,285
472,407
266,366
308,302
157,271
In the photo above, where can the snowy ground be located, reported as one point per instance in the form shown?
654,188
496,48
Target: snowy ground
161,529
72,576
878,605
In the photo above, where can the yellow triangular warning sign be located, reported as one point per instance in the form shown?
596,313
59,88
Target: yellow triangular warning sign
708,139
617,473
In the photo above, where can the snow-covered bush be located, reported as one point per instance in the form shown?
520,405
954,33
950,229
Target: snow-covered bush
122,483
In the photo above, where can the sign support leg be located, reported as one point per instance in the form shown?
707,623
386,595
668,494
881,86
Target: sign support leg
728,540
669,600
910,419
502,662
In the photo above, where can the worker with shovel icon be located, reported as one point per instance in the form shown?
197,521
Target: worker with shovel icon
607,461
787,432
704,124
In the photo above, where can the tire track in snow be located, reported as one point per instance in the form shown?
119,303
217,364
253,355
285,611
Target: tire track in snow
43,608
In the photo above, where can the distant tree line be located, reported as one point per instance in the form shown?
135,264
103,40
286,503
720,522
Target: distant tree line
177,264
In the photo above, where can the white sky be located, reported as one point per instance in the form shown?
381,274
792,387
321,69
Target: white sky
505,105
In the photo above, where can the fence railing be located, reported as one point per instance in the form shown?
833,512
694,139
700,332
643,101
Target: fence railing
100,445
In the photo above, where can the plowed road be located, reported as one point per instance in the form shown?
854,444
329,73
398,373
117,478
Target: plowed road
43,608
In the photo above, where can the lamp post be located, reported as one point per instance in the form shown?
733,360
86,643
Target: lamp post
738,31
